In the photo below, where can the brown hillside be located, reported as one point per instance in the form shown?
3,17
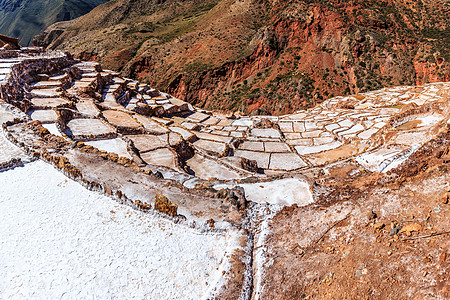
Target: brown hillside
264,56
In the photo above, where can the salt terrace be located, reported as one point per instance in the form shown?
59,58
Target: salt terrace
204,170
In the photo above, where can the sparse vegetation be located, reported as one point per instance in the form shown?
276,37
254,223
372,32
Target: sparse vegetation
252,58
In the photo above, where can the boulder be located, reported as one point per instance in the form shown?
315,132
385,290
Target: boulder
249,165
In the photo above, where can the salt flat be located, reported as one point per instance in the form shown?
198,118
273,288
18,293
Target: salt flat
61,241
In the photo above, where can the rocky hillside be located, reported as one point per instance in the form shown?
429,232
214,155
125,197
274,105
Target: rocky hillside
264,56
25,18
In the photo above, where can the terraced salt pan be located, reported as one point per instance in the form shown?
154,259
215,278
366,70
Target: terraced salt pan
286,127
52,128
412,138
276,147
304,150
216,148
49,102
397,161
45,84
45,116
252,146
88,107
151,125
354,129
368,133
116,145
213,137
119,118
8,151
206,168
5,116
147,142
247,122
89,127
286,161
262,159
266,133
43,93
187,135
161,157
197,117
61,241
283,192
377,161
430,120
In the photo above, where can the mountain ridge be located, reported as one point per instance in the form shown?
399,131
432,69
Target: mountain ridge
24,19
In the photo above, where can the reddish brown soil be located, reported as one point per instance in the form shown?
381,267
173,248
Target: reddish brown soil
345,247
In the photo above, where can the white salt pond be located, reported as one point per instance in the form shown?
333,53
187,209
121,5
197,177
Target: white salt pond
116,145
283,192
206,168
430,120
384,160
52,128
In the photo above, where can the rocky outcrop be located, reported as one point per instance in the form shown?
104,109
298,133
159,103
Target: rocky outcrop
8,43
164,205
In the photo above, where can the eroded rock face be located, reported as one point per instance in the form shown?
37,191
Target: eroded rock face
214,171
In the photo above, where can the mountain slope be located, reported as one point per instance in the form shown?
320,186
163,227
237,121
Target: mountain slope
264,56
26,18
